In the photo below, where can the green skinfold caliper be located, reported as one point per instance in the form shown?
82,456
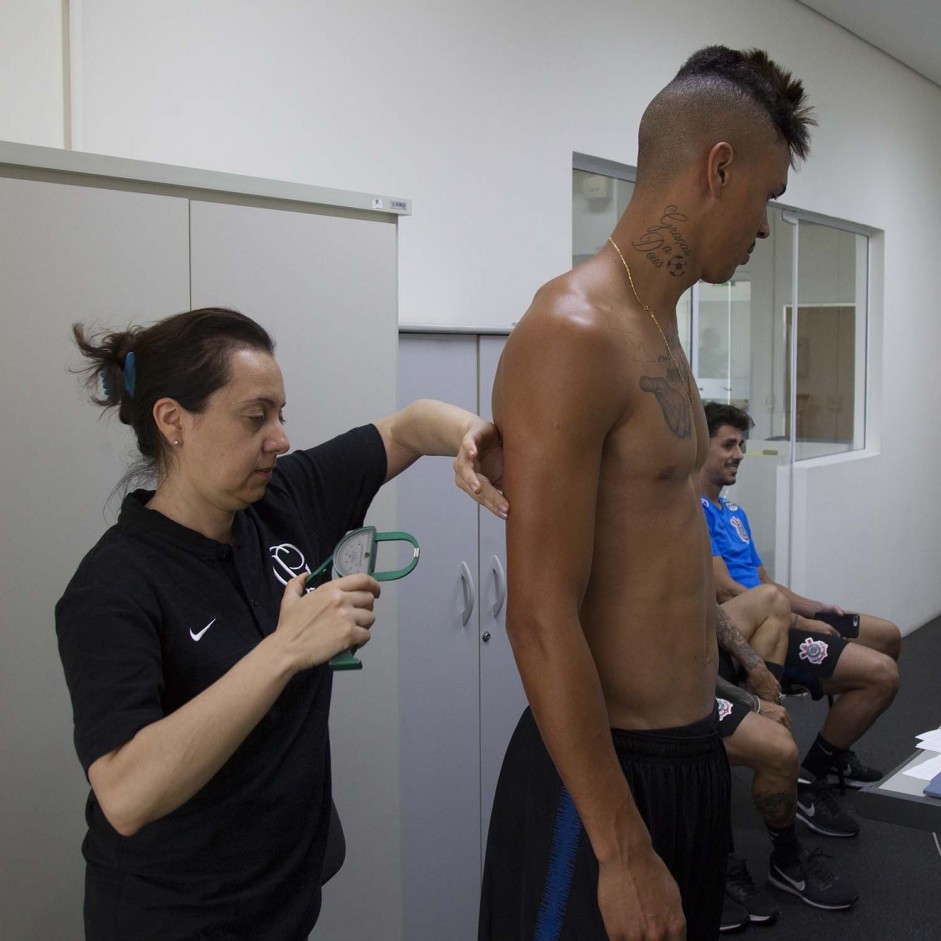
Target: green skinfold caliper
356,552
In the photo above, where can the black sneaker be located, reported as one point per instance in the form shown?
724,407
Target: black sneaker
740,887
811,881
855,773
819,809
734,917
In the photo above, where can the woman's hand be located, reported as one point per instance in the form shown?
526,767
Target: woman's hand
315,626
478,467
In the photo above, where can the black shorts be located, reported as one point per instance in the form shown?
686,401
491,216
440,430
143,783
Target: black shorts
730,716
541,877
811,658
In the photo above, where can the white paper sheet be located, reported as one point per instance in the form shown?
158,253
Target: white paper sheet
930,740
926,769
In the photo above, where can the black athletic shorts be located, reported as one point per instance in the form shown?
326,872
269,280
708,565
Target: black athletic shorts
730,716
811,657
541,877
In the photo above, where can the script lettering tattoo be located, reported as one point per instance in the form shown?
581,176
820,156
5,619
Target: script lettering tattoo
732,642
664,244
777,810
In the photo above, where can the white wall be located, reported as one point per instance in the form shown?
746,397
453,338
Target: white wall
32,91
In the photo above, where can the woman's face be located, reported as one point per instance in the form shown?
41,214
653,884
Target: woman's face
228,451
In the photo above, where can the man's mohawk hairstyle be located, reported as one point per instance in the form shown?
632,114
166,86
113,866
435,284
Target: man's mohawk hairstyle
753,73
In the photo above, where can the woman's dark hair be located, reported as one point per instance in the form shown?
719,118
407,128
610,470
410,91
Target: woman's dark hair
184,357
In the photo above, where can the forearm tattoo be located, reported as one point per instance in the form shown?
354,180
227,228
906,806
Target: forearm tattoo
732,642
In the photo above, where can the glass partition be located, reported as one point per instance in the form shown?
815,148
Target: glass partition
830,336
802,379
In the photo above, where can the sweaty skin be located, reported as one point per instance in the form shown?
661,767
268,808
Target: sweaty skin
611,607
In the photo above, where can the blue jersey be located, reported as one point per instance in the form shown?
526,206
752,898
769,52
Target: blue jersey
732,539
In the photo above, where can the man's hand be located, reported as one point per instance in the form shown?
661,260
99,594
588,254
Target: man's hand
762,683
640,901
818,627
776,713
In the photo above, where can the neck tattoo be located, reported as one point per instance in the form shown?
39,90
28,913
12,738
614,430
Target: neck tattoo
680,372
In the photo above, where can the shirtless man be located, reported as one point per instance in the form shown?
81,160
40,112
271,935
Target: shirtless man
617,826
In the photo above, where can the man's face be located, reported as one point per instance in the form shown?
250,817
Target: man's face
758,178
726,452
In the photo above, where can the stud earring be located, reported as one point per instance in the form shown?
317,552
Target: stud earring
176,443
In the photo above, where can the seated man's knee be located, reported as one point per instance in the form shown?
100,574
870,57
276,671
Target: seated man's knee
779,752
891,639
780,606
885,677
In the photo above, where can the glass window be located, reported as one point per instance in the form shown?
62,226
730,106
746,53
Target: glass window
830,337
598,201
802,379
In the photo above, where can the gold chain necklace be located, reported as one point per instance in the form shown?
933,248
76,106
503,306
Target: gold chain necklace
653,316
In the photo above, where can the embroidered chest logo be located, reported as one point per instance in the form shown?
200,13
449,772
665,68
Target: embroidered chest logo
739,527
814,651
287,562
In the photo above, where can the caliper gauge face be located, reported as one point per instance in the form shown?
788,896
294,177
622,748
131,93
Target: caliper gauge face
356,552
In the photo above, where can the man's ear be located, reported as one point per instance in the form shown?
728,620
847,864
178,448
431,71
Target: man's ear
168,417
718,167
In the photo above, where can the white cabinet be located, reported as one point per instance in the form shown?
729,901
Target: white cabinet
111,242
460,693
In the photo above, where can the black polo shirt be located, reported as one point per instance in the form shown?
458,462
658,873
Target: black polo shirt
154,615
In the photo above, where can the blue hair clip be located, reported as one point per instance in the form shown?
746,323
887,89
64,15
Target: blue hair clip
130,373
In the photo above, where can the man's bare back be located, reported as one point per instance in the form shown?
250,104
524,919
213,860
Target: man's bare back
648,607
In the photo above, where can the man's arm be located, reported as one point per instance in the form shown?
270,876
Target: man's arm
557,384
726,586
805,607
761,680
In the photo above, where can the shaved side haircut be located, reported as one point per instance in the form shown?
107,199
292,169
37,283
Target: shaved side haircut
722,94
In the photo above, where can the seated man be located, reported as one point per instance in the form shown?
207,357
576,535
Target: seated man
756,734
818,657
761,740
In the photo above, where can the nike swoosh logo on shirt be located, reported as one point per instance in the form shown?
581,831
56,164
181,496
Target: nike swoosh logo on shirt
197,635
808,810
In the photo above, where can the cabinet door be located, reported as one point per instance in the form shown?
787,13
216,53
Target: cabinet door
325,287
106,258
438,664
502,699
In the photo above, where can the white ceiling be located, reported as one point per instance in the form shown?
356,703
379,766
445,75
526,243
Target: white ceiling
908,30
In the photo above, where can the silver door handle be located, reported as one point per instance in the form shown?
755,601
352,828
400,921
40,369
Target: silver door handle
467,586
499,581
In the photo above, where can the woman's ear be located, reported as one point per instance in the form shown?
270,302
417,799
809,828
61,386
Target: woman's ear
168,417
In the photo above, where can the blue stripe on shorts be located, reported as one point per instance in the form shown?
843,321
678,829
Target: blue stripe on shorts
555,891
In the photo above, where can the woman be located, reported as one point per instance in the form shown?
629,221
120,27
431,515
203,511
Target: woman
195,658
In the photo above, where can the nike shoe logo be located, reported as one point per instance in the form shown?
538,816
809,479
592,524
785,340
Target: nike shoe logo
807,809
798,884
197,635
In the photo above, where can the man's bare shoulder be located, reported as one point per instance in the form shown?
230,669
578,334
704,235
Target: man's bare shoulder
572,309
568,357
